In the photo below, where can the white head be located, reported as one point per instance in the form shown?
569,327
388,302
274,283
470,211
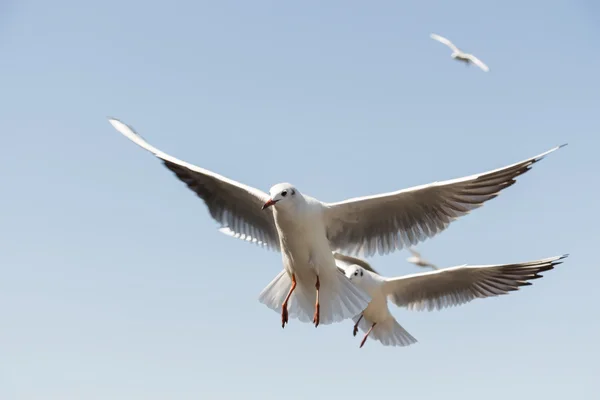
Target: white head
282,194
360,277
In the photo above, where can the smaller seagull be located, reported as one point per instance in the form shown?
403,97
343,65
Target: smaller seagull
459,55
376,320
418,260
431,290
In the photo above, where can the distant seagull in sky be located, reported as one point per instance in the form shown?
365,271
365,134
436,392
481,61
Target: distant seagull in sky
418,260
459,55
431,290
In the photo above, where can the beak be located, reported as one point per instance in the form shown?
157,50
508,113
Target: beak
268,204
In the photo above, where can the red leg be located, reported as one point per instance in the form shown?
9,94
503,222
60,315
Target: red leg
317,306
355,331
367,335
284,311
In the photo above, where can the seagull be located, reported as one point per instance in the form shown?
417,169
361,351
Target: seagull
459,55
417,260
431,290
284,220
306,230
377,321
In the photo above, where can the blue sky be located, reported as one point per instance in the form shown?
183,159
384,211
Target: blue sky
115,282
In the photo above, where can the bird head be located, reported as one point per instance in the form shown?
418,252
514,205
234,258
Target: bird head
282,194
355,273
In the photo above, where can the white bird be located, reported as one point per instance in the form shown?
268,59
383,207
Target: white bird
376,320
418,260
431,290
306,230
459,55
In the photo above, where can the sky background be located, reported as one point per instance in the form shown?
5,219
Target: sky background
115,283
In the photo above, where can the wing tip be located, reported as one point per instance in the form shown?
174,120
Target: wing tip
130,133
548,265
114,121
436,37
560,146
558,258
552,150
117,123
123,128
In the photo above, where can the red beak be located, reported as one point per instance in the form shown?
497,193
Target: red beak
268,204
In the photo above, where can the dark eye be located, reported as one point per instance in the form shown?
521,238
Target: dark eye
284,193
361,273
293,192
355,272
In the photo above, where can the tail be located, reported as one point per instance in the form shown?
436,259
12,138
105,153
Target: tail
388,332
339,299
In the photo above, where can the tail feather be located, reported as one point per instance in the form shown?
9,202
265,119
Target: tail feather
388,332
339,299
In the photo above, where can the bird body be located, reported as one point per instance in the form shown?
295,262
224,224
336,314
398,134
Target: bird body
376,320
461,56
306,257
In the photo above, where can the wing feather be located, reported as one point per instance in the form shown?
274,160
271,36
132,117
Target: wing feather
478,62
235,206
445,41
458,285
391,221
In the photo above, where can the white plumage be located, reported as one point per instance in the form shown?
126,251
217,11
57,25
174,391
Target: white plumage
432,290
306,230
460,55
376,320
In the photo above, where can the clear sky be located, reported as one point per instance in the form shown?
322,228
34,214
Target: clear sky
115,283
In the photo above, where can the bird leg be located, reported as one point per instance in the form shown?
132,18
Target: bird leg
355,331
317,306
284,311
367,335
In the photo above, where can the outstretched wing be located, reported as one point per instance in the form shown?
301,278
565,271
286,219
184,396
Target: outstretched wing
392,221
445,41
235,206
459,285
478,62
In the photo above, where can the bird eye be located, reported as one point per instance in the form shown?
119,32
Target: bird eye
293,192
355,272
361,273
284,193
